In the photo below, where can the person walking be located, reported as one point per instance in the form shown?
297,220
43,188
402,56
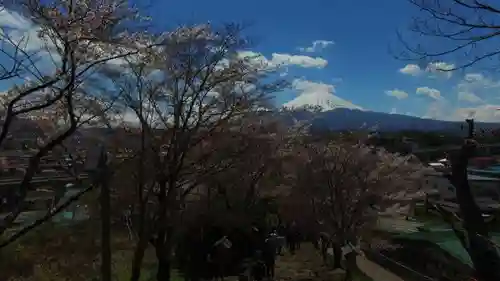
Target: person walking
269,254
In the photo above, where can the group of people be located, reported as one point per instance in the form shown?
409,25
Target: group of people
272,245
215,253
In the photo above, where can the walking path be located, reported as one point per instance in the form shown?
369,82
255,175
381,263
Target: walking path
375,271
306,264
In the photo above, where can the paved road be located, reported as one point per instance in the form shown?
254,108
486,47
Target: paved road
375,271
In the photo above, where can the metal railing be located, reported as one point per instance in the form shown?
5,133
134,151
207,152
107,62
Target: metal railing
398,268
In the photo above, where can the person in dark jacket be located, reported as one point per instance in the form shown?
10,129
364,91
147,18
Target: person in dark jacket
269,253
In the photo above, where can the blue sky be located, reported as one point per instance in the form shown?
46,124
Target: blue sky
359,57
355,66
360,67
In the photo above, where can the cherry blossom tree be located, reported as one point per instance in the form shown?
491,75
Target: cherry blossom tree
256,152
69,41
180,98
347,185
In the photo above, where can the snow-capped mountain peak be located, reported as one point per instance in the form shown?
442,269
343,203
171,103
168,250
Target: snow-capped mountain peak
317,94
326,100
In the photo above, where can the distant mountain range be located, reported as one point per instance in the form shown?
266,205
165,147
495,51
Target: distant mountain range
340,119
338,114
337,119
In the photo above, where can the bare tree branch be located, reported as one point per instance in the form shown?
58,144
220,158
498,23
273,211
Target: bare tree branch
464,30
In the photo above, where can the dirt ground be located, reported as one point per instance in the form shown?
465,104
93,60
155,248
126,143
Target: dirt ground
306,264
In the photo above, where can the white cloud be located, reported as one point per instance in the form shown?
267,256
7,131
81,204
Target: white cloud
439,109
469,97
130,117
317,94
26,34
483,113
430,92
317,46
298,60
411,69
252,57
393,111
432,69
12,19
473,77
283,60
397,94
468,90
444,110
474,86
440,68
22,32
476,81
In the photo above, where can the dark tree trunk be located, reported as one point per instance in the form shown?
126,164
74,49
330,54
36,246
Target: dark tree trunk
484,256
350,265
105,219
163,257
163,240
337,255
138,258
143,233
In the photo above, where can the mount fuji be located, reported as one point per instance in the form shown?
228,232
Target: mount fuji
318,95
337,114
325,100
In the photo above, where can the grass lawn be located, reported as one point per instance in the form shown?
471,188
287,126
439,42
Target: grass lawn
57,253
